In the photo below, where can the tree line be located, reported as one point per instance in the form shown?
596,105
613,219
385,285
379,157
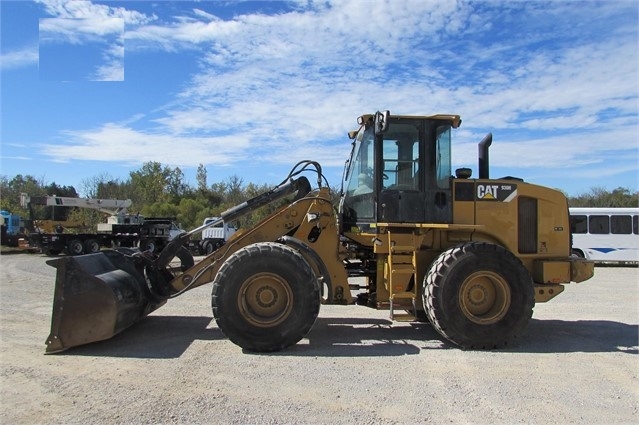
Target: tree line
161,191
155,191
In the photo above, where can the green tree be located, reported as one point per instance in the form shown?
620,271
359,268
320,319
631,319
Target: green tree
160,209
234,190
105,186
149,184
11,189
175,186
201,177
114,189
600,197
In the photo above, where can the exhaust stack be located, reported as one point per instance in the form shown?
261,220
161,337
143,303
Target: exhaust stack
483,156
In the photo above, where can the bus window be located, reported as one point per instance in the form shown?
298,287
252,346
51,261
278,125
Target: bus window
620,224
579,224
635,224
599,225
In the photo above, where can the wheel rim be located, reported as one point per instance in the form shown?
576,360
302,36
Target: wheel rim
265,299
484,297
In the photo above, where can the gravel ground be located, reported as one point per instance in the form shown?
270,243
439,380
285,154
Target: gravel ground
577,363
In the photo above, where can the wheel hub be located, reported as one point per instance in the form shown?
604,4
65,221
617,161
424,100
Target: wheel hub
484,297
265,299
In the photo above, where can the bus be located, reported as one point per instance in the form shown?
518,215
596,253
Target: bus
605,234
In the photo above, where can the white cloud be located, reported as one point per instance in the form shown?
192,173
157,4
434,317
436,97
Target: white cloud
79,31
81,9
103,34
566,152
113,142
561,80
27,56
112,69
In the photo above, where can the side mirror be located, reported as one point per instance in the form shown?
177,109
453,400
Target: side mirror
381,121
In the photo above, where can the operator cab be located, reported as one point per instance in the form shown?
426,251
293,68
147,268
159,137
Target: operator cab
399,171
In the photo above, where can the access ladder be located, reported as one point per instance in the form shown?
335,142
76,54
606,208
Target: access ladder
402,261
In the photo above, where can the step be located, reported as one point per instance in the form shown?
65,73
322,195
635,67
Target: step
403,269
403,296
404,317
400,248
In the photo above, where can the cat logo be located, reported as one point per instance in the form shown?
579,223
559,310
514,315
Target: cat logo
485,191
496,192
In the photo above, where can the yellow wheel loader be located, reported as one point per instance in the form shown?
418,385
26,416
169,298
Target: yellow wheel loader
470,255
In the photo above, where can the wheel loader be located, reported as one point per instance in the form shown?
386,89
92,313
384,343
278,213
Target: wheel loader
470,255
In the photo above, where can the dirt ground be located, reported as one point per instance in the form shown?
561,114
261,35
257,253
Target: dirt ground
577,363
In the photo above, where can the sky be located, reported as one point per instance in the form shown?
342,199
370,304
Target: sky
95,89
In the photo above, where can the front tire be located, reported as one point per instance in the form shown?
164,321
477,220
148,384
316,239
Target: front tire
479,295
266,297
148,245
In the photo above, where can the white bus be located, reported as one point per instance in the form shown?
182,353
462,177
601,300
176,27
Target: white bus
605,234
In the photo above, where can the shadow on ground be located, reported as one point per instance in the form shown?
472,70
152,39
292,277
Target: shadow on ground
157,337
345,338
170,336
588,336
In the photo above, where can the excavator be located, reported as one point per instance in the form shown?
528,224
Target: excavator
470,255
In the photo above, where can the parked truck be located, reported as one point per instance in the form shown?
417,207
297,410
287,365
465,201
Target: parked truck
471,255
121,229
212,237
11,229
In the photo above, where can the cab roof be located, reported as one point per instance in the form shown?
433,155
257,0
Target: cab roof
455,120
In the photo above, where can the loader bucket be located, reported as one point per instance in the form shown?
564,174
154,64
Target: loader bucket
96,297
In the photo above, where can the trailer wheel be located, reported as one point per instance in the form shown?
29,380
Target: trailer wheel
91,246
75,247
266,297
478,295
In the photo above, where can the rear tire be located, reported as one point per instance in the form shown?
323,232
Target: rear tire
266,297
75,247
91,246
478,295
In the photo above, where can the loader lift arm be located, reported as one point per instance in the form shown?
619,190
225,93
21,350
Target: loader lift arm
301,186
301,224
120,287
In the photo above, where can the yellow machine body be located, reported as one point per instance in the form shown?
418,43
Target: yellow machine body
470,255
